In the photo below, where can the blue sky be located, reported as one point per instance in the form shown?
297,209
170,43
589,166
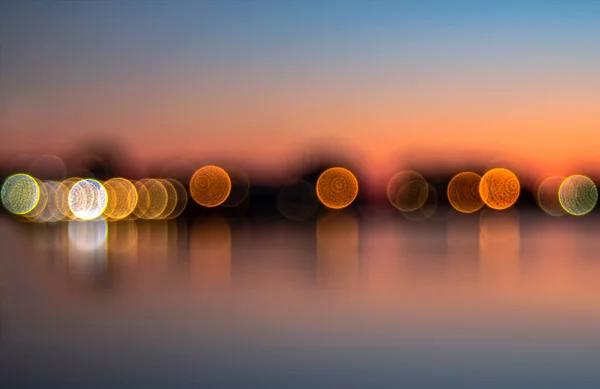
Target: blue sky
249,66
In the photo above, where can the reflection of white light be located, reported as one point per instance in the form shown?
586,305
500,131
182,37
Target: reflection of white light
87,199
87,236
87,249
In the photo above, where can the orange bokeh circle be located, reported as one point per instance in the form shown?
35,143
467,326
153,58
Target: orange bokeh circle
463,192
210,186
337,188
499,188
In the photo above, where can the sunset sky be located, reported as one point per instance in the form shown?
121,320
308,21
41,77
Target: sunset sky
260,80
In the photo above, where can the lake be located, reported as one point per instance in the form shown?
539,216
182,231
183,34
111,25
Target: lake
352,299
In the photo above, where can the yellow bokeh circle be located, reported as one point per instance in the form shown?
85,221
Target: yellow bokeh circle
20,194
407,191
122,198
152,199
578,195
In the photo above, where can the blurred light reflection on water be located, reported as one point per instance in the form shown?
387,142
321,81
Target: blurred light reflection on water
345,300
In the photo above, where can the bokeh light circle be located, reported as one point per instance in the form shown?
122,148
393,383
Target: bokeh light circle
51,212
499,188
578,195
122,198
240,187
407,191
182,198
547,196
463,192
64,200
210,186
20,194
298,201
337,188
427,210
171,199
36,212
152,199
87,199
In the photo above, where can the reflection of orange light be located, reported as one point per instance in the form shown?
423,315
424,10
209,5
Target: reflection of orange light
547,196
499,232
499,188
337,188
210,253
210,186
121,200
337,249
152,199
463,192
407,191
153,241
122,238
499,245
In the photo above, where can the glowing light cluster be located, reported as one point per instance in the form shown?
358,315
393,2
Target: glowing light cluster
575,195
84,199
159,199
467,192
547,196
77,199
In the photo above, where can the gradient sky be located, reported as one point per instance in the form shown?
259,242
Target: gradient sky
261,79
